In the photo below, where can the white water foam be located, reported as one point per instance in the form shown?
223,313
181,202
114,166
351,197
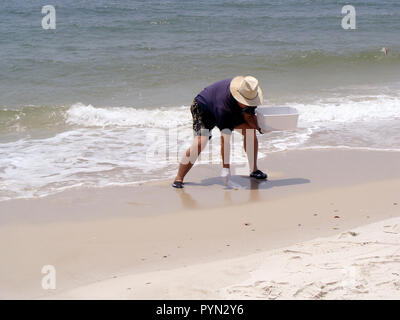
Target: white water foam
332,110
118,146
350,109
89,116
98,155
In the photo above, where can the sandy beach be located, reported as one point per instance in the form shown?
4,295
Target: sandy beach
100,100
325,225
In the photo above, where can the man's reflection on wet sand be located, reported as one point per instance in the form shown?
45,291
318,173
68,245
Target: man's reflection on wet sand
251,185
245,190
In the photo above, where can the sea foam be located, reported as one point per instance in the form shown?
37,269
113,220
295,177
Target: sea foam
100,146
89,116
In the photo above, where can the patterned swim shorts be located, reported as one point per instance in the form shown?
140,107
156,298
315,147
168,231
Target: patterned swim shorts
202,124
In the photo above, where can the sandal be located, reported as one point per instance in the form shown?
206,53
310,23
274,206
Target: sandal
178,184
258,174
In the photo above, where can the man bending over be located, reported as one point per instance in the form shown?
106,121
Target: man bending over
230,105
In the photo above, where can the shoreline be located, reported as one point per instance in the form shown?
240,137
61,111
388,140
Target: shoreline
288,171
234,166
92,235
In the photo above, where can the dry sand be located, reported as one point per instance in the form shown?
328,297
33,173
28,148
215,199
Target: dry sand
362,263
153,241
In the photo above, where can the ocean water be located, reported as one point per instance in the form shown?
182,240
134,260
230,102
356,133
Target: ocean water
104,98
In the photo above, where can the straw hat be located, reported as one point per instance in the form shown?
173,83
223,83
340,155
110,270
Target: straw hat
246,91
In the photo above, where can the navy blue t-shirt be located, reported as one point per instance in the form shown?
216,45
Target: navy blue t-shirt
219,107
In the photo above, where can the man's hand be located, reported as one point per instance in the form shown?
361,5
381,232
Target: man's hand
226,175
251,120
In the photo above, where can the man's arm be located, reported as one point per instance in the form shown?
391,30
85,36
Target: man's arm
251,120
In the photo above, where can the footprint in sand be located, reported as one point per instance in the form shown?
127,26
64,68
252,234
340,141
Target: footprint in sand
348,234
317,289
295,251
259,289
311,290
392,229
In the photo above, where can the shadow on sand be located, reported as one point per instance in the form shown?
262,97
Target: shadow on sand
247,183
241,183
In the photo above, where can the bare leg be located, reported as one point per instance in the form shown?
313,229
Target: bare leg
191,156
225,150
250,144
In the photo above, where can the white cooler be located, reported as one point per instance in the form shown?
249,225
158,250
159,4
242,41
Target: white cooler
277,118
